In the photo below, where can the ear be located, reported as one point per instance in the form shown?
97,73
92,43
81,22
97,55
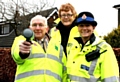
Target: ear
47,29
94,27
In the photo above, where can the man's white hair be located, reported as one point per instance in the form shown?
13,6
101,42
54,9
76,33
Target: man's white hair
39,17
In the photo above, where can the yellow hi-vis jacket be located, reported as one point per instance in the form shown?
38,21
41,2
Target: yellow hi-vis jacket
102,69
40,66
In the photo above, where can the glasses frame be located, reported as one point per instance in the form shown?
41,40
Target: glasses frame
38,24
66,15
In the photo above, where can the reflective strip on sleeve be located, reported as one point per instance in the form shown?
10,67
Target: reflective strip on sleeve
54,58
111,79
48,72
36,55
82,79
37,72
30,73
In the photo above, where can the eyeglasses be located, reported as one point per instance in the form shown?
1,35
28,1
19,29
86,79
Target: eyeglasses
39,24
66,15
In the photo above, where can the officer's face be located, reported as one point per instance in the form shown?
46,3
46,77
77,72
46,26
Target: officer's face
67,18
39,28
85,30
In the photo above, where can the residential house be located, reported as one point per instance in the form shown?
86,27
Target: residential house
9,29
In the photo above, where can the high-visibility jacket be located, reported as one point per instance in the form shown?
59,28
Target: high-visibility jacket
54,32
40,66
101,69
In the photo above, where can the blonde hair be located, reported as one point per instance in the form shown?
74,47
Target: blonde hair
39,17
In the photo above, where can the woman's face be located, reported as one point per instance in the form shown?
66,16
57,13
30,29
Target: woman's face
85,30
67,18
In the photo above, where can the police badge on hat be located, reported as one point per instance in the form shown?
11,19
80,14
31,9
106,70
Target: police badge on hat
84,16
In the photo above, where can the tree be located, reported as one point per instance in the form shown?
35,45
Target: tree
12,9
113,38
17,9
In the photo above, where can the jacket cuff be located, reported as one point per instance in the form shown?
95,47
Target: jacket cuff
23,56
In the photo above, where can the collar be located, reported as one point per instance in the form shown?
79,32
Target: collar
45,38
60,26
79,39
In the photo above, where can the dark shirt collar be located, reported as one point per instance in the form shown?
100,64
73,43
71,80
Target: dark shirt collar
60,26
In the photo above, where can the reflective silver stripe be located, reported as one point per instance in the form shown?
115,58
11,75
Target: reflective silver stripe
61,56
100,44
82,79
38,72
54,58
111,79
61,53
36,55
65,68
94,62
27,74
48,72
92,67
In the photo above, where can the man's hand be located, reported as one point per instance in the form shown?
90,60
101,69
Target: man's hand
25,47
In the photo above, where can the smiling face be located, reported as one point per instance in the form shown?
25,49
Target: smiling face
39,28
85,30
67,18
67,14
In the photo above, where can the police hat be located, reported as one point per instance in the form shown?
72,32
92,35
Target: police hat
86,18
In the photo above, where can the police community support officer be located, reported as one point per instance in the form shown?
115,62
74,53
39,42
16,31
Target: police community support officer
90,59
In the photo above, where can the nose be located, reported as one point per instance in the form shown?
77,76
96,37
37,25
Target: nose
66,16
37,27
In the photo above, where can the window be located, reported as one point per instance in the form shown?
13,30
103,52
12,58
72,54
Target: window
4,29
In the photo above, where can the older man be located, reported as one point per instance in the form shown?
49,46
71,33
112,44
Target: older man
34,62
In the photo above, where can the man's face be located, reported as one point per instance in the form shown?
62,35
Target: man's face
39,28
67,18
85,30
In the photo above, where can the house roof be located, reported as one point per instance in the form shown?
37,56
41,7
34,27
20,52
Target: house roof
117,6
7,40
46,13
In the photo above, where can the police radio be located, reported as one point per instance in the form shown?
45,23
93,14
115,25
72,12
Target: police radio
93,55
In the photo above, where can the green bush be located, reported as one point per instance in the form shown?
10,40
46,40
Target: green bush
113,38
